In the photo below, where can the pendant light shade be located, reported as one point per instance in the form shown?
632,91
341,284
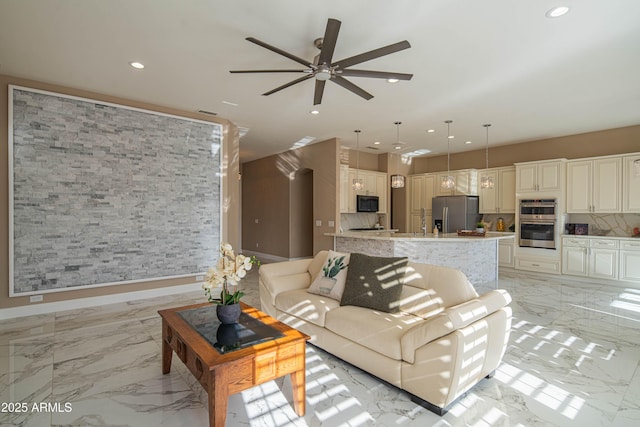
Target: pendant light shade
486,181
397,180
448,182
358,184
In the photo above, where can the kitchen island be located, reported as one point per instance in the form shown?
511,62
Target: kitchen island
476,256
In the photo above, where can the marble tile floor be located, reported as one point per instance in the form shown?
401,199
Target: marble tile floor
573,360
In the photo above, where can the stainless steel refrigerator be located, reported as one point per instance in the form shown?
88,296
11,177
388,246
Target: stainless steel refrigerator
453,213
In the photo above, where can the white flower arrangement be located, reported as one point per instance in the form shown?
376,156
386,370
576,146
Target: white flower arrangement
231,268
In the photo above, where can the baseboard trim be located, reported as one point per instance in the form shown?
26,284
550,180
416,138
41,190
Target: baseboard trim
51,307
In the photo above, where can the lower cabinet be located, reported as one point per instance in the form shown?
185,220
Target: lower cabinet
590,257
506,249
630,260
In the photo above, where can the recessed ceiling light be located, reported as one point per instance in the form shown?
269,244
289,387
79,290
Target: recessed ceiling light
392,80
431,130
398,147
138,65
451,137
557,12
233,104
376,143
314,112
468,142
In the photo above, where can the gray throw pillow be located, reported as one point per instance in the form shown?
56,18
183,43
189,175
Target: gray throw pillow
374,282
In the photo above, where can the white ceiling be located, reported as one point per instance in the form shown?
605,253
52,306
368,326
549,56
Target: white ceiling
491,61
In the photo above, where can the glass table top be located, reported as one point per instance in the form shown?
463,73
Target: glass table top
227,338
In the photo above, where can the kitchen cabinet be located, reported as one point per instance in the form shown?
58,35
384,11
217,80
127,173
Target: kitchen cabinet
533,177
421,191
502,197
345,191
594,185
375,184
466,183
590,257
630,260
506,249
381,191
631,183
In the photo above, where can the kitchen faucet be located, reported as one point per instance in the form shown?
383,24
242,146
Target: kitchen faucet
423,215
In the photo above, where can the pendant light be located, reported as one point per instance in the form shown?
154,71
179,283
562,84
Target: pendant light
397,180
486,181
448,182
358,184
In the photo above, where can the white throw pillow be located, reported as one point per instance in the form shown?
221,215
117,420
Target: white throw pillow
331,279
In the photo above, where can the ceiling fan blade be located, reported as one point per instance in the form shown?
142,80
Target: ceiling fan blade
291,83
373,74
271,71
329,41
317,96
353,88
372,54
279,51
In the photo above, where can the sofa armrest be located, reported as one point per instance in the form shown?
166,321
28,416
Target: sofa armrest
451,319
285,276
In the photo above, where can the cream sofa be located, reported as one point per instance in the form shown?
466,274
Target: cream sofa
443,341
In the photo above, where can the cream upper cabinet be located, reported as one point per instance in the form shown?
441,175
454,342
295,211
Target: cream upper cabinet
631,183
375,184
381,191
345,190
416,194
595,185
466,183
421,192
539,176
507,190
502,197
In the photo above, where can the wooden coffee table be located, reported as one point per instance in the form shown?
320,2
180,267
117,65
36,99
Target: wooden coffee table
233,358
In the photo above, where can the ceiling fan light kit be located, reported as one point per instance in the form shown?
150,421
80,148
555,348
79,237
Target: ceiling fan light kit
323,69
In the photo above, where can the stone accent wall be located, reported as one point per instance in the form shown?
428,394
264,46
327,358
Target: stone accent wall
103,194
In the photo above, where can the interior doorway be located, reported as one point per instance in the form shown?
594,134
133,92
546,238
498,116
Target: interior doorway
301,214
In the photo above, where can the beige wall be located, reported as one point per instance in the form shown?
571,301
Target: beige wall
230,192
266,192
601,143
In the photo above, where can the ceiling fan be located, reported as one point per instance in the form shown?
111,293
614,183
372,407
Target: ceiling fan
322,68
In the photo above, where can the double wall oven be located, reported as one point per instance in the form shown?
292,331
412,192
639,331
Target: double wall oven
538,222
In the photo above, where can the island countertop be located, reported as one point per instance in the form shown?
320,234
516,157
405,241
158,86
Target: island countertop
442,237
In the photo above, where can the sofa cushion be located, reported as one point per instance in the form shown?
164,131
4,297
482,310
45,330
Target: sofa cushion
376,330
447,286
374,282
331,278
303,305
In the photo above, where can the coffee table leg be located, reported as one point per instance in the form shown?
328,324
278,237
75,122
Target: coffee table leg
218,399
298,383
167,351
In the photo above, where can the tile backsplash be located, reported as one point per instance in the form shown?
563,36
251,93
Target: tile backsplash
620,225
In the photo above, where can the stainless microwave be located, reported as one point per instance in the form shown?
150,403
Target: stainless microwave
367,203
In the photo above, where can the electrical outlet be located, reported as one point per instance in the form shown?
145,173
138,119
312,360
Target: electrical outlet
257,220
331,223
35,298
256,245
318,223
199,278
